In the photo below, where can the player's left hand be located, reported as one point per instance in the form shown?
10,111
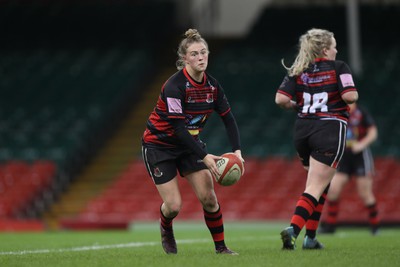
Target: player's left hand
210,161
238,153
357,147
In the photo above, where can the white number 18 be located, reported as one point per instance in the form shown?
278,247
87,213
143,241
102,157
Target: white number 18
318,101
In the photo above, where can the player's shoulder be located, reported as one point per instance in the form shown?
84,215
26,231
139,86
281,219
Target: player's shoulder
339,64
287,80
211,79
175,79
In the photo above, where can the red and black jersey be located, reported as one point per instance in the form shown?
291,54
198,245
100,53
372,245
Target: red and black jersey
183,98
359,122
319,88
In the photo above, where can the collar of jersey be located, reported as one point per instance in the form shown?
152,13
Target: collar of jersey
193,82
321,59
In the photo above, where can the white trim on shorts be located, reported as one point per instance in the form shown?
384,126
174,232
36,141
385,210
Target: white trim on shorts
369,167
144,155
342,142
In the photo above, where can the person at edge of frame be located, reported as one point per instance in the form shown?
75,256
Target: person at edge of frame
357,162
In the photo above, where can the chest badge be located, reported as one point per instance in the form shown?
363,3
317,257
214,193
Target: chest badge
210,98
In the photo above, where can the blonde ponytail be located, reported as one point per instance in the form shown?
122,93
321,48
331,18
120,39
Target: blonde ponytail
311,45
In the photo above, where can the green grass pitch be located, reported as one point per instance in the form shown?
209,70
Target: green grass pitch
257,243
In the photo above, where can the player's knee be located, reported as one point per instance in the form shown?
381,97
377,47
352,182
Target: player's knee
209,201
333,194
367,197
173,208
333,198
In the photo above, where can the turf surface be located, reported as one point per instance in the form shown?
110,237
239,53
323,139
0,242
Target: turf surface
257,243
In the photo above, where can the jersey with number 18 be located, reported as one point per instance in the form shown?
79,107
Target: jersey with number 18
318,90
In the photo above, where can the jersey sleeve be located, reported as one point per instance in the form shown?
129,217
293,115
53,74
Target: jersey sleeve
345,78
187,139
288,86
224,110
222,106
232,130
174,100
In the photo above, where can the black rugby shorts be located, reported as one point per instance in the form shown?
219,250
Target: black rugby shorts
324,140
163,164
359,164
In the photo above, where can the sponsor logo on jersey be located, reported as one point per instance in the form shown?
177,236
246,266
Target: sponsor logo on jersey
196,119
346,79
317,79
174,105
210,98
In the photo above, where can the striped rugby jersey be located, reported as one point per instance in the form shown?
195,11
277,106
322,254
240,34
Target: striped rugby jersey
319,88
183,98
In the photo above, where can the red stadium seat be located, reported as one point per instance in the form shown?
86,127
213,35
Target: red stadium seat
20,183
268,190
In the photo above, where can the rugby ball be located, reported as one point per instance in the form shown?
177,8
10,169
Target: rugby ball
230,168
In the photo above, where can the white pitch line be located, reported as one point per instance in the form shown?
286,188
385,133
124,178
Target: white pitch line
98,247
101,247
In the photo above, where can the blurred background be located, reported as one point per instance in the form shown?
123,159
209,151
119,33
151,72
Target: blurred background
78,79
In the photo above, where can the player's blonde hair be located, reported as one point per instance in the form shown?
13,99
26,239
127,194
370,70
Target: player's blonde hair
311,45
191,36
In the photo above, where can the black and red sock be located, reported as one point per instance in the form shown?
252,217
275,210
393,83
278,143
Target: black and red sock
313,221
166,223
304,208
373,215
332,213
215,224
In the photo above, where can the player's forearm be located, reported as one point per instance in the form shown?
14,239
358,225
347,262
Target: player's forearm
370,137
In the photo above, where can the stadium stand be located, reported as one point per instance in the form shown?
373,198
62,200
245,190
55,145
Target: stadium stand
263,193
23,185
69,70
67,95
116,155
58,99
250,72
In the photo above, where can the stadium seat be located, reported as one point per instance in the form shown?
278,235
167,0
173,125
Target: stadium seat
269,190
21,183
